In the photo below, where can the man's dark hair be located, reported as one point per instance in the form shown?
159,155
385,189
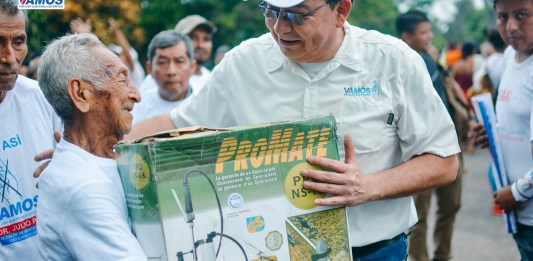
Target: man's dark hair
495,38
469,48
10,7
495,1
407,23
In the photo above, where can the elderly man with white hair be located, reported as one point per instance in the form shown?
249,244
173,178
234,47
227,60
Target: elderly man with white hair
82,209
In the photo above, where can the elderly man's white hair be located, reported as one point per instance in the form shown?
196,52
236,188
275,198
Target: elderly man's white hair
64,59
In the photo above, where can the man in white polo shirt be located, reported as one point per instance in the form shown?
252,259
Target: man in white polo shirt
314,63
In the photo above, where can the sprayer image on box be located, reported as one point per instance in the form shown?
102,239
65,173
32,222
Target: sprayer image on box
233,194
208,250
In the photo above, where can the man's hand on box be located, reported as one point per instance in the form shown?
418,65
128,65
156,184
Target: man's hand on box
45,155
504,199
344,180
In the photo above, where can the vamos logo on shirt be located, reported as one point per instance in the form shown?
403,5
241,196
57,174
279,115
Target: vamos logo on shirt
362,90
20,219
41,4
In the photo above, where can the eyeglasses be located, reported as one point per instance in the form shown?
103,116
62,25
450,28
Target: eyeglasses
293,17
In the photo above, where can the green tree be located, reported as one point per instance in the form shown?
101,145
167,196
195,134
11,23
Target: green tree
375,15
468,24
236,20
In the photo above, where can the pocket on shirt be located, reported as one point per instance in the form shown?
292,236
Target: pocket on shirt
371,123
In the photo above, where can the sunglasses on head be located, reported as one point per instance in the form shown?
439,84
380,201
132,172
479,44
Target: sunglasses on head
293,17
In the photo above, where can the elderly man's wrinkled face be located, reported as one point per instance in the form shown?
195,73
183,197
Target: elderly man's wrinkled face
13,48
114,99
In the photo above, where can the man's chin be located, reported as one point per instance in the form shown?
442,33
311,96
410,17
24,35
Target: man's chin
6,86
201,61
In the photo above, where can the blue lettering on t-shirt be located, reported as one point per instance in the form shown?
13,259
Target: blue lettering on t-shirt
11,142
18,208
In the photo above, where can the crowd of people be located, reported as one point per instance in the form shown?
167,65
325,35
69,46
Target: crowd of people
89,96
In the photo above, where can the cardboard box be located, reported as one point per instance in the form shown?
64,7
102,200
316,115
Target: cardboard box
242,182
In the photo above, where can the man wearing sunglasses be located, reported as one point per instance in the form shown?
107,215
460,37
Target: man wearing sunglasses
314,63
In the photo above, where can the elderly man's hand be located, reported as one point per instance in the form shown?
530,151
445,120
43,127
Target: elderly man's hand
345,180
479,135
45,155
504,199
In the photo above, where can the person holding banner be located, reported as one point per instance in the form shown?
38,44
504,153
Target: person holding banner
513,118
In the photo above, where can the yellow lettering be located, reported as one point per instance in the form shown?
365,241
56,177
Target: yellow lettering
296,155
258,153
242,153
311,136
227,150
322,151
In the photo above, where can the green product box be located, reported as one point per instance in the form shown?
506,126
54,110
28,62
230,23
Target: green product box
220,194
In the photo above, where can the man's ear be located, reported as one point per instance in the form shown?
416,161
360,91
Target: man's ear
80,94
148,67
406,37
343,11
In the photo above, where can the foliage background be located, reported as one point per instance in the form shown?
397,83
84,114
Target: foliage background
237,20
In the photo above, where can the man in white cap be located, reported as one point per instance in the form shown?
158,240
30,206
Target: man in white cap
201,31
314,63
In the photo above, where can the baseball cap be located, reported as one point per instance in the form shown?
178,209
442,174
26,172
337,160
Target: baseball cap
284,3
189,23
287,3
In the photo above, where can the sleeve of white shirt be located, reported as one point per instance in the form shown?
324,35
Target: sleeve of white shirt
210,107
523,188
95,229
424,125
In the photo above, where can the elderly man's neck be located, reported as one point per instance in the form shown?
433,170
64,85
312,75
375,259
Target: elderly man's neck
91,140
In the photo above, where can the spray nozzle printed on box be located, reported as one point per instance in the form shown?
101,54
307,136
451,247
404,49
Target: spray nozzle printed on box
213,194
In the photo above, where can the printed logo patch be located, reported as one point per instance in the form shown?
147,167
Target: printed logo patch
363,90
255,224
41,4
235,201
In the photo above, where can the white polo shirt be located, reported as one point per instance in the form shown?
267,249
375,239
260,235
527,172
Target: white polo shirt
197,81
377,88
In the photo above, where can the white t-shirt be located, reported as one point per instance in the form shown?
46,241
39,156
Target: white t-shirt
82,209
152,105
197,81
494,66
27,126
377,88
513,114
